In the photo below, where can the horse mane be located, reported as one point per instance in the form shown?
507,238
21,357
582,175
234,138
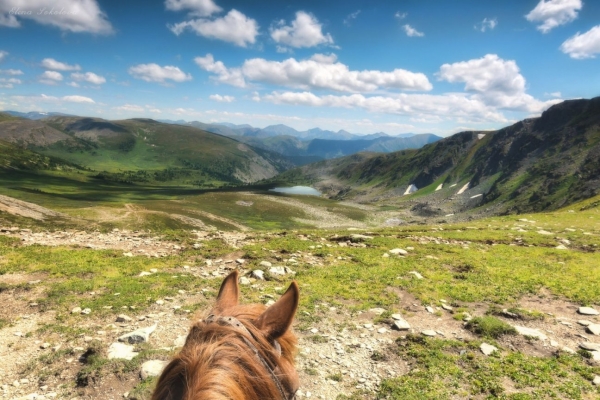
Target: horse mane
216,362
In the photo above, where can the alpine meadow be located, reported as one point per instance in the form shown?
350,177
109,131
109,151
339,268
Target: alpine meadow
331,200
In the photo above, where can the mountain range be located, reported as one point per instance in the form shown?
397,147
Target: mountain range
536,164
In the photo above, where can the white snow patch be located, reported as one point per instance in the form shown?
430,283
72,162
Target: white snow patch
410,189
464,188
477,195
480,136
453,185
440,186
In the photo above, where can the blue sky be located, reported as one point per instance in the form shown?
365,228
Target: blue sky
364,66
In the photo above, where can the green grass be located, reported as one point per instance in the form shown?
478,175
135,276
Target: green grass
447,369
490,327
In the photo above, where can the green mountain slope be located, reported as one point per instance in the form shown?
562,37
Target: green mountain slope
143,150
536,164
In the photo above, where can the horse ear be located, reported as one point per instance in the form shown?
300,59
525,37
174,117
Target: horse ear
229,292
276,320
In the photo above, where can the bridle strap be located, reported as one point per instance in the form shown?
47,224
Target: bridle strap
237,325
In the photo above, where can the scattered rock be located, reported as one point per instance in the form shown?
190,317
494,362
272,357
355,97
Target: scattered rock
86,311
145,273
123,318
244,281
561,247
416,274
120,350
265,264
152,368
530,332
596,380
76,310
139,335
430,309
400,323
258,274
240,261
400,252
589,346
128,254
447,307
593,329
487,349
587,311
429,332
584,322
377,311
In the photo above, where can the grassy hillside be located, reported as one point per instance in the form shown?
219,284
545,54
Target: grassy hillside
537,164
145,151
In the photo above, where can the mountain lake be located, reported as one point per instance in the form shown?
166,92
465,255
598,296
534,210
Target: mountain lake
306,190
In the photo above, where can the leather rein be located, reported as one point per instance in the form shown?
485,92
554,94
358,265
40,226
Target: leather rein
245,333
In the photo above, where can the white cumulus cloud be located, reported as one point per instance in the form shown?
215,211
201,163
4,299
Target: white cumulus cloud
487,24
221,99
351,17
495,81
319,72
553,13
155,73
230,76
9,83
67,15
130,108
304,31
51,63
78,99
199,8
234,27
583,45
88,77
11,72
51,77
412,32
3,55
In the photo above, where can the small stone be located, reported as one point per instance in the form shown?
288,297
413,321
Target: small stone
377,311
153,270
145,273
381,330
596,380
553,343
120,350
429,332
265,264
139,335
44,345
593,329
152,368
487,349
584,322
277,271
160,302
589,346
180,341
314,330
400,324
86,311
240,261
447,307
416,274
244,281
124,318
258,274
128,254
399,252
530,332
76,310
587,311
561,247
430,309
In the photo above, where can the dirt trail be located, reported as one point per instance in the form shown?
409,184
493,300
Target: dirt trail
26,209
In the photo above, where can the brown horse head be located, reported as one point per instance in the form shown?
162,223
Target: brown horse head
238,352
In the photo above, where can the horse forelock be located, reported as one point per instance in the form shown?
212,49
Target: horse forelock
216,363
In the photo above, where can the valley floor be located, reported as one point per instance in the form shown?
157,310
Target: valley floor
403,312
